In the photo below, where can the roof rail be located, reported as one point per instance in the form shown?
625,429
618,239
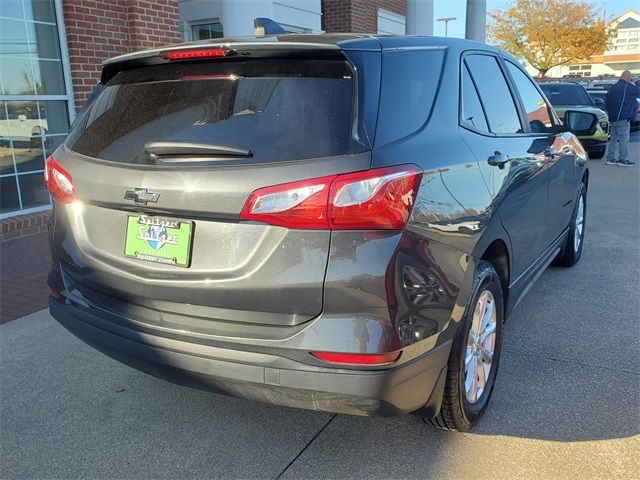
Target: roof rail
265,26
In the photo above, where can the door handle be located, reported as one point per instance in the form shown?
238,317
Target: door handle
498,159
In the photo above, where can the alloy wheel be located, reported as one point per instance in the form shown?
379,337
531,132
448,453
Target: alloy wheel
481,342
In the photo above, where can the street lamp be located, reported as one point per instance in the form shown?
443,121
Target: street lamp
446,21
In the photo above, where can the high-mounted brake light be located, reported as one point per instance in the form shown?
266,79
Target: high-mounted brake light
58,182
357,358
194,53
381,198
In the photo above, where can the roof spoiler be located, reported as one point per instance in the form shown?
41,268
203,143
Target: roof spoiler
265,26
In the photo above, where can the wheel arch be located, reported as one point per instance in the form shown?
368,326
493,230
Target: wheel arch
497,254
585,178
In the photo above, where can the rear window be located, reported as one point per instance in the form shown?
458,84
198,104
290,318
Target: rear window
566,94
279,110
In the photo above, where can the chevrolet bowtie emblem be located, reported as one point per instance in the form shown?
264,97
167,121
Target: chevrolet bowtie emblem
142,195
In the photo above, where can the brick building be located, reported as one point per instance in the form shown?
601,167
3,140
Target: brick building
51,53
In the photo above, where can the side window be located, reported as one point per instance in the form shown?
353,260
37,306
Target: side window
501,111
472,113
407,93
535,107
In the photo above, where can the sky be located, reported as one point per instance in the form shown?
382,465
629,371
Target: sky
456,8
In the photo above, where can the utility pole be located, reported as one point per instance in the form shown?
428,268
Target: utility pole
476,24
419,19
446,21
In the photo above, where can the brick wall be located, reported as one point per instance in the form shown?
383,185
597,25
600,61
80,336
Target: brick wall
357,16
23,225
99,29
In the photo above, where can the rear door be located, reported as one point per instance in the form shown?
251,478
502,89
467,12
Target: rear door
514,174
164,160
557,149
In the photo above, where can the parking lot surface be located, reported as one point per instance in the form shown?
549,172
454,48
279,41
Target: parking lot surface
567,402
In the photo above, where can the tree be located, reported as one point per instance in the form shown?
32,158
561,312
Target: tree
547,33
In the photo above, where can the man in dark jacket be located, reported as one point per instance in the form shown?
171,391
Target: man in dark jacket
621,106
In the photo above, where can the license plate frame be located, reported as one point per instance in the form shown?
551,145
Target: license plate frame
161,240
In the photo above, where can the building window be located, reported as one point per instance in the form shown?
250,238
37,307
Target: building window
390,23
35,100
204,31
294,28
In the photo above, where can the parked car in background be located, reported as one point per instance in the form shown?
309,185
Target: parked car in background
333,222
604,84
564,96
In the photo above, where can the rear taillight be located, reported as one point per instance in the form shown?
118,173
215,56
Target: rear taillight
58,182
357,358
194,53
381,198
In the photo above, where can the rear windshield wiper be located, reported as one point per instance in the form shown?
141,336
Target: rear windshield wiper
182,151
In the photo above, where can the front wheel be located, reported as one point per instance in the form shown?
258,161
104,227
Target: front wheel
572,249
475,354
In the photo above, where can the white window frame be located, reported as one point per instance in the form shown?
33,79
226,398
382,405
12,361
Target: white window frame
202,21
68,97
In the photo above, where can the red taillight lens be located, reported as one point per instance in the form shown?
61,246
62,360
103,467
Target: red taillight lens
374,199
59,182
194,53
357,358
300,205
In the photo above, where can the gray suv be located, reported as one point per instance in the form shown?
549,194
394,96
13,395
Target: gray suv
333,222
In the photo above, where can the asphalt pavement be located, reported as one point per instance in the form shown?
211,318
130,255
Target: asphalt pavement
567,402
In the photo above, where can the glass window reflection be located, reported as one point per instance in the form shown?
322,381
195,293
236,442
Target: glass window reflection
49,78
33,190
34,125
54,116
11,8
9,194
13,38
16,76
43,40
40,10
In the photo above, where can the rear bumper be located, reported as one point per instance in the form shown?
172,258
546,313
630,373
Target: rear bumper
411,386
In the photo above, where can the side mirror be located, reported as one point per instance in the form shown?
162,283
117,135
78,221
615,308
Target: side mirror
598,102
581,124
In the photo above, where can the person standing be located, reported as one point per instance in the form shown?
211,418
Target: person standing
621,105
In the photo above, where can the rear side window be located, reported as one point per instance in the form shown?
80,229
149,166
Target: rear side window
472,113
280,110
409,84
535,107
501,111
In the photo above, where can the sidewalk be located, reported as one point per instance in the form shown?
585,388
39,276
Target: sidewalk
24,264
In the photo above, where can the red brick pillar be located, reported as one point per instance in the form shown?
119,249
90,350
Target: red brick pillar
356,16
97,30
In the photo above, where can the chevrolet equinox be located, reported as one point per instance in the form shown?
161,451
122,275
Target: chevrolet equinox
333,222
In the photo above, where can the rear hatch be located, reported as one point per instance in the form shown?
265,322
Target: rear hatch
163,161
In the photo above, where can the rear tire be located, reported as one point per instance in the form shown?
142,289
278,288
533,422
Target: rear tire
572,249
461,405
